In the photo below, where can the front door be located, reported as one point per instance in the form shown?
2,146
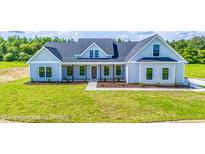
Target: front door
94,72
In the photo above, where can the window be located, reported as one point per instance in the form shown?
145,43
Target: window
156,50
96,54
48,72
41,72
165,73
149,73
106,70
82,70
69,70
118,70
91,53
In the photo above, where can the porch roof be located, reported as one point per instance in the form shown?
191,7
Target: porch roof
156,59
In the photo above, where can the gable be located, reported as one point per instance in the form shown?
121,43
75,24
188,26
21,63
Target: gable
43,55
94,46
165,51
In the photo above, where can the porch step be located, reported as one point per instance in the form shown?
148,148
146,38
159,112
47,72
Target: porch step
91,85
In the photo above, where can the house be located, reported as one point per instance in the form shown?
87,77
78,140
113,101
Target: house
149,61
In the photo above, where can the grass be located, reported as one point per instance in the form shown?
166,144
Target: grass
195,70
12,64
71,103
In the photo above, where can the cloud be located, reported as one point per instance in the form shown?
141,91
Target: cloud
132,35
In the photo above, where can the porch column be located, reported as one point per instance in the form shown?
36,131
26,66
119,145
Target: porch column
100,73
113,72
73,73
86,72
60,73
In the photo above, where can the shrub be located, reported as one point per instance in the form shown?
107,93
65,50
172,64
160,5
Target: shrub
141,84
118,79
158,84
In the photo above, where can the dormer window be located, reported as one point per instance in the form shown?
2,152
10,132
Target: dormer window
96,53
91,53
156,48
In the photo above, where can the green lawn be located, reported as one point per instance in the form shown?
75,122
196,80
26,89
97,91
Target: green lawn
75,104
195,70
12,64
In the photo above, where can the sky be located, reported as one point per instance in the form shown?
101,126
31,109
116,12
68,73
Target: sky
126,35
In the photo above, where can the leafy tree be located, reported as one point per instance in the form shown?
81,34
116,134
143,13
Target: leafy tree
9,57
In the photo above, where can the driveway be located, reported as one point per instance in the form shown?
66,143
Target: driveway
196,83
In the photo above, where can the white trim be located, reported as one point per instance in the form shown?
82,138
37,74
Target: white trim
158,36
155,62
39,51
141,49
39,62
161,74
153,49
60,72
172,49
140,69
127,73
145,74
92,63
93,50
91,76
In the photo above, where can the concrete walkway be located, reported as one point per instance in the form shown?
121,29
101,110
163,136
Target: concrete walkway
91,85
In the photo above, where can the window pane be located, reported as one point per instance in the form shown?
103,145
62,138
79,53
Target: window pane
48,72
118,70
156,50
165,73
96,54
149,72
91,53
41,72
69,70
106,70
82,70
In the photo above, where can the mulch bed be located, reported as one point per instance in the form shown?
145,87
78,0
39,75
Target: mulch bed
55,83
135,85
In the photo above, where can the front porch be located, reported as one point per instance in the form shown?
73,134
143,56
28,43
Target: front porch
98,72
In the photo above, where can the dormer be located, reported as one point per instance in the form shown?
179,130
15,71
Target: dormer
91,49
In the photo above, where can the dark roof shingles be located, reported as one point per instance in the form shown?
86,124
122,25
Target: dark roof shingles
156,59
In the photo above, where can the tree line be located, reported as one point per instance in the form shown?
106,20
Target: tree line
16,48
193,50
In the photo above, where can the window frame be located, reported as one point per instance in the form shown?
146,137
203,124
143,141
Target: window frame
167,73
106,72
69,70
97,51
91,53
149,79
80,70
153,50
116,72
49,72
39,71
